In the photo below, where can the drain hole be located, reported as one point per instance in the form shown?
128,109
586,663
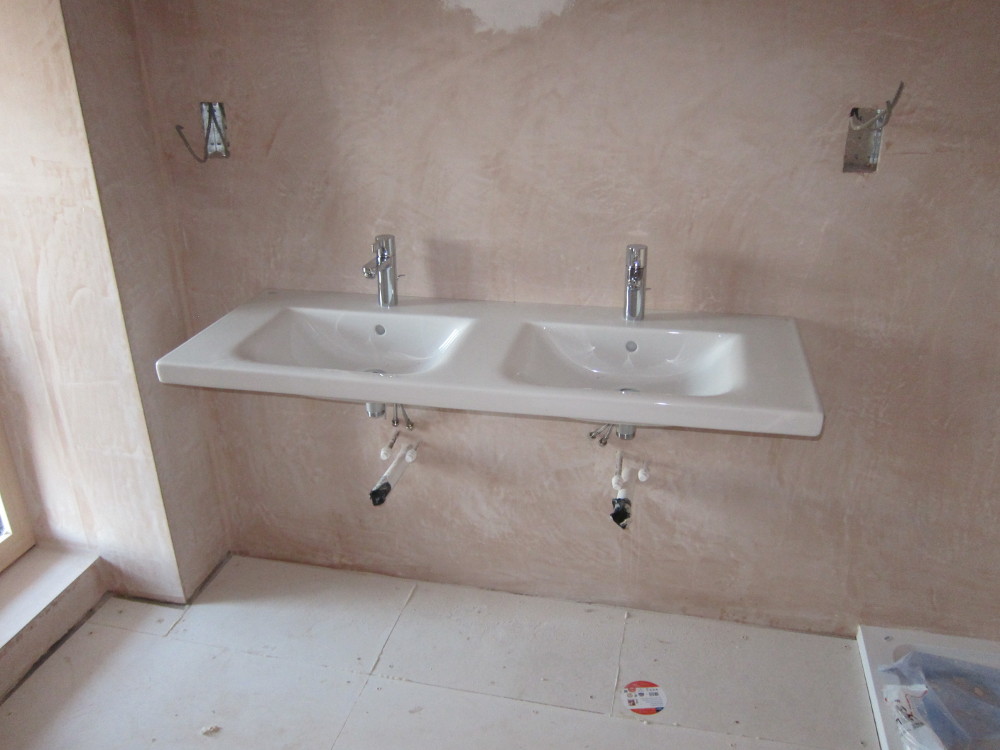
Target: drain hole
631,346
380,329
628,390
376,371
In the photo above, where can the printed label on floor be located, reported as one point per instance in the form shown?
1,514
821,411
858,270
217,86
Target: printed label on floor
643,697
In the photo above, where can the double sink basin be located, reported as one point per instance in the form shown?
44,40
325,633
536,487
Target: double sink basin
715,372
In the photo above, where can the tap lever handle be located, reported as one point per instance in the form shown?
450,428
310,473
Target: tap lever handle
635,263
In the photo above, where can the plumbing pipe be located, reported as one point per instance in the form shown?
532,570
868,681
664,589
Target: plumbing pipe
621,505
623,472
393,474
618,478
387,448
621,509
396,409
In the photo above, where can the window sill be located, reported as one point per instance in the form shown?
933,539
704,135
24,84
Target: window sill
42,596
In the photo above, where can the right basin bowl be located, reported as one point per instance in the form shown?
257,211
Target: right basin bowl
627,359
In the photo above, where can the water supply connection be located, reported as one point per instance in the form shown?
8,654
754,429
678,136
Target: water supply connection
376,410
603,433
621,503
405,456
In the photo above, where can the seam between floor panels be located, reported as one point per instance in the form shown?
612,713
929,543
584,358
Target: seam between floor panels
392,630
618,669
497,696
354,705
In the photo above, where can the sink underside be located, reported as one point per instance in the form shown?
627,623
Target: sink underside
738,373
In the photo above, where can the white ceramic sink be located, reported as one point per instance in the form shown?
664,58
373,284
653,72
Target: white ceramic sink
715,372
352,340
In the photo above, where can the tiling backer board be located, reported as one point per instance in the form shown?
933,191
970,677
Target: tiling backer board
881,647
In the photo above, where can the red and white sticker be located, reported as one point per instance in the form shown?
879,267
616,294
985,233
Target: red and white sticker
643,697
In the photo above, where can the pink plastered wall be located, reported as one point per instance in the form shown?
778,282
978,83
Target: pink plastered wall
69,401
145,243
514,154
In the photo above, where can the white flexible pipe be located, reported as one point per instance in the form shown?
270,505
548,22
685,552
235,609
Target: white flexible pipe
393,474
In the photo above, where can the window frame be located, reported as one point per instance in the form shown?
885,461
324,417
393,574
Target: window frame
17,536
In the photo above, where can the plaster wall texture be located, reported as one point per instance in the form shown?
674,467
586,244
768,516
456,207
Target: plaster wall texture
145,244
68,391
514,158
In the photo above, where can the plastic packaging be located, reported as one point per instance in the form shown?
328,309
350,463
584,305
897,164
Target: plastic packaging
945,704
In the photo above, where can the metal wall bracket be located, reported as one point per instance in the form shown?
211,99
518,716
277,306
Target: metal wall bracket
864,135
213,126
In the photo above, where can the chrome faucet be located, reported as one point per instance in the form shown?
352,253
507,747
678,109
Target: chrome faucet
635,282
383,265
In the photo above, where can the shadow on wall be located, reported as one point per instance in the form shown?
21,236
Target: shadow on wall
462,269
739,282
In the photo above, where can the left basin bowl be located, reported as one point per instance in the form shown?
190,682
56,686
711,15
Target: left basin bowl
377,342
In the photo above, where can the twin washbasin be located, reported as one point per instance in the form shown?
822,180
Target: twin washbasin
741,373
